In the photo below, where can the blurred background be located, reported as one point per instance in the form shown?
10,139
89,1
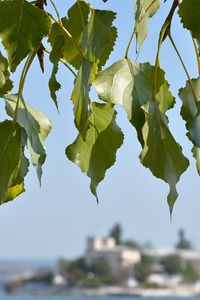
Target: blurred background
54,221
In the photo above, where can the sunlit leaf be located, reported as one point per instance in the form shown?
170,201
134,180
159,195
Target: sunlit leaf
22,28
165,98
16,186
130,85
98,152
36,125
144,9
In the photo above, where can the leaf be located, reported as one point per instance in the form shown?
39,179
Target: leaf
191,114
5,82
161,153
80,95
130,85
14,165
165,98
98,152
74,24
54,85
36,125
55,55
196,155
16,187
96,34
189,12
190,110
144,9
110,42
23,26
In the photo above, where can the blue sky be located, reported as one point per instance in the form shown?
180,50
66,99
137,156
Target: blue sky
54,220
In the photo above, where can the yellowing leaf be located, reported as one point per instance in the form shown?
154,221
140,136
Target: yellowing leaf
14,165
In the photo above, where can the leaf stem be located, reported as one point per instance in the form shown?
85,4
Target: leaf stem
157,61
63,62
56,11
184,67
22,80
165,31
197,54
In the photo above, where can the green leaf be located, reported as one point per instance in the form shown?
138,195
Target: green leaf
54,85
144,9
22,28
191,114
16,186
165,98
109,47
80,95
196,155
130,85
74,24
161,153
5,82
14,165
96,34
190,110
98,152
189,12
55,56
36,125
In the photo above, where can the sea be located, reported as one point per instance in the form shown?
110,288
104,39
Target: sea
87,298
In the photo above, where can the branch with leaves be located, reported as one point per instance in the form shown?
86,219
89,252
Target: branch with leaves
83,41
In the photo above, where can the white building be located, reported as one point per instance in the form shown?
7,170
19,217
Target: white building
191,256
120,258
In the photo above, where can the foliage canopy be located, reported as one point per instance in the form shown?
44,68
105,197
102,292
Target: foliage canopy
83,41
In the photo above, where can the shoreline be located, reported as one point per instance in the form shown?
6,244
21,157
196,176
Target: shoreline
109,291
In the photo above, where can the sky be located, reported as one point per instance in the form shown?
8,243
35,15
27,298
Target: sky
55,219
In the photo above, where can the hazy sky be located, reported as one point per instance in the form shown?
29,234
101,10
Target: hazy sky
55,220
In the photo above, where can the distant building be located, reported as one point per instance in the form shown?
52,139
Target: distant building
120,258
158,254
